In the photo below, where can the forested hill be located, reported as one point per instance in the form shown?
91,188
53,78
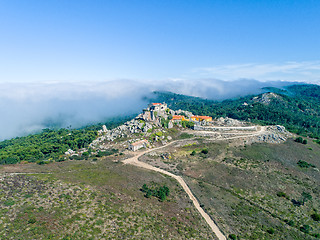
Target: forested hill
297,107
51,144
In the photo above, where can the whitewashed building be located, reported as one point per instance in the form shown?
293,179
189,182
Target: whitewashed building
137,145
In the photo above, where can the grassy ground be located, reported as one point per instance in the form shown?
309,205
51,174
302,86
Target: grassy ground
254,191
93,200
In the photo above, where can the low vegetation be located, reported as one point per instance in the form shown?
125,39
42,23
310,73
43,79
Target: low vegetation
254,191
81,200
315,216
304,164
301,140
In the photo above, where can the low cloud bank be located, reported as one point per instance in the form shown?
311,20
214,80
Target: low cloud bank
27,108
30,107
219,90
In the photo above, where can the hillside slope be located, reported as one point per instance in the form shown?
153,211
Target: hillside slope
297,107
255,191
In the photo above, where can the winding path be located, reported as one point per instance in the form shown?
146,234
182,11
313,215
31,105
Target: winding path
135,161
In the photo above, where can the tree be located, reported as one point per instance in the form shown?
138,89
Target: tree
204,151
161,192
166,190
315,216
305,197
145,188
305,228
162,196
193,153
270,231
148,193
85,154
232,237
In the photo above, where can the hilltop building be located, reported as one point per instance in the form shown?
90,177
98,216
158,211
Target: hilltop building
179,118
157,106
201,118
137,145
154,110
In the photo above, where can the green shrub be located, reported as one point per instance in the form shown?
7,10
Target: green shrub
193,153
289,222
9,202
282,194
32,220
316,235
159,192
187,124
40,162
107,152
99,222
306,197
76,157
270,231
185,135
9,160
305,228
301,140
205,151
315,217
159,134
60,159
85,154
232,237
304,164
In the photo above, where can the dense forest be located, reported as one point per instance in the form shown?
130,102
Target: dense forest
296,107
51,144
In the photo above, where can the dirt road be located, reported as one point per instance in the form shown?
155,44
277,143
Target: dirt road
135,161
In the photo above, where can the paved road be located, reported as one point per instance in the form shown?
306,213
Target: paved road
135,161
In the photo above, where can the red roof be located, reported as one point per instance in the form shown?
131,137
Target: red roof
154,104
139,142
202,117
177,117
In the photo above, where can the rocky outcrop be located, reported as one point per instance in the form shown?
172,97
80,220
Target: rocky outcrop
70,152
147,127
181,112
266,98
131,127
273,134
228,122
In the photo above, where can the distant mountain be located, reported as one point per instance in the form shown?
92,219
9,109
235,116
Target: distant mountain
297,107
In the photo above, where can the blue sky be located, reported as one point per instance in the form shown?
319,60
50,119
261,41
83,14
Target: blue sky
79,62
151,40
